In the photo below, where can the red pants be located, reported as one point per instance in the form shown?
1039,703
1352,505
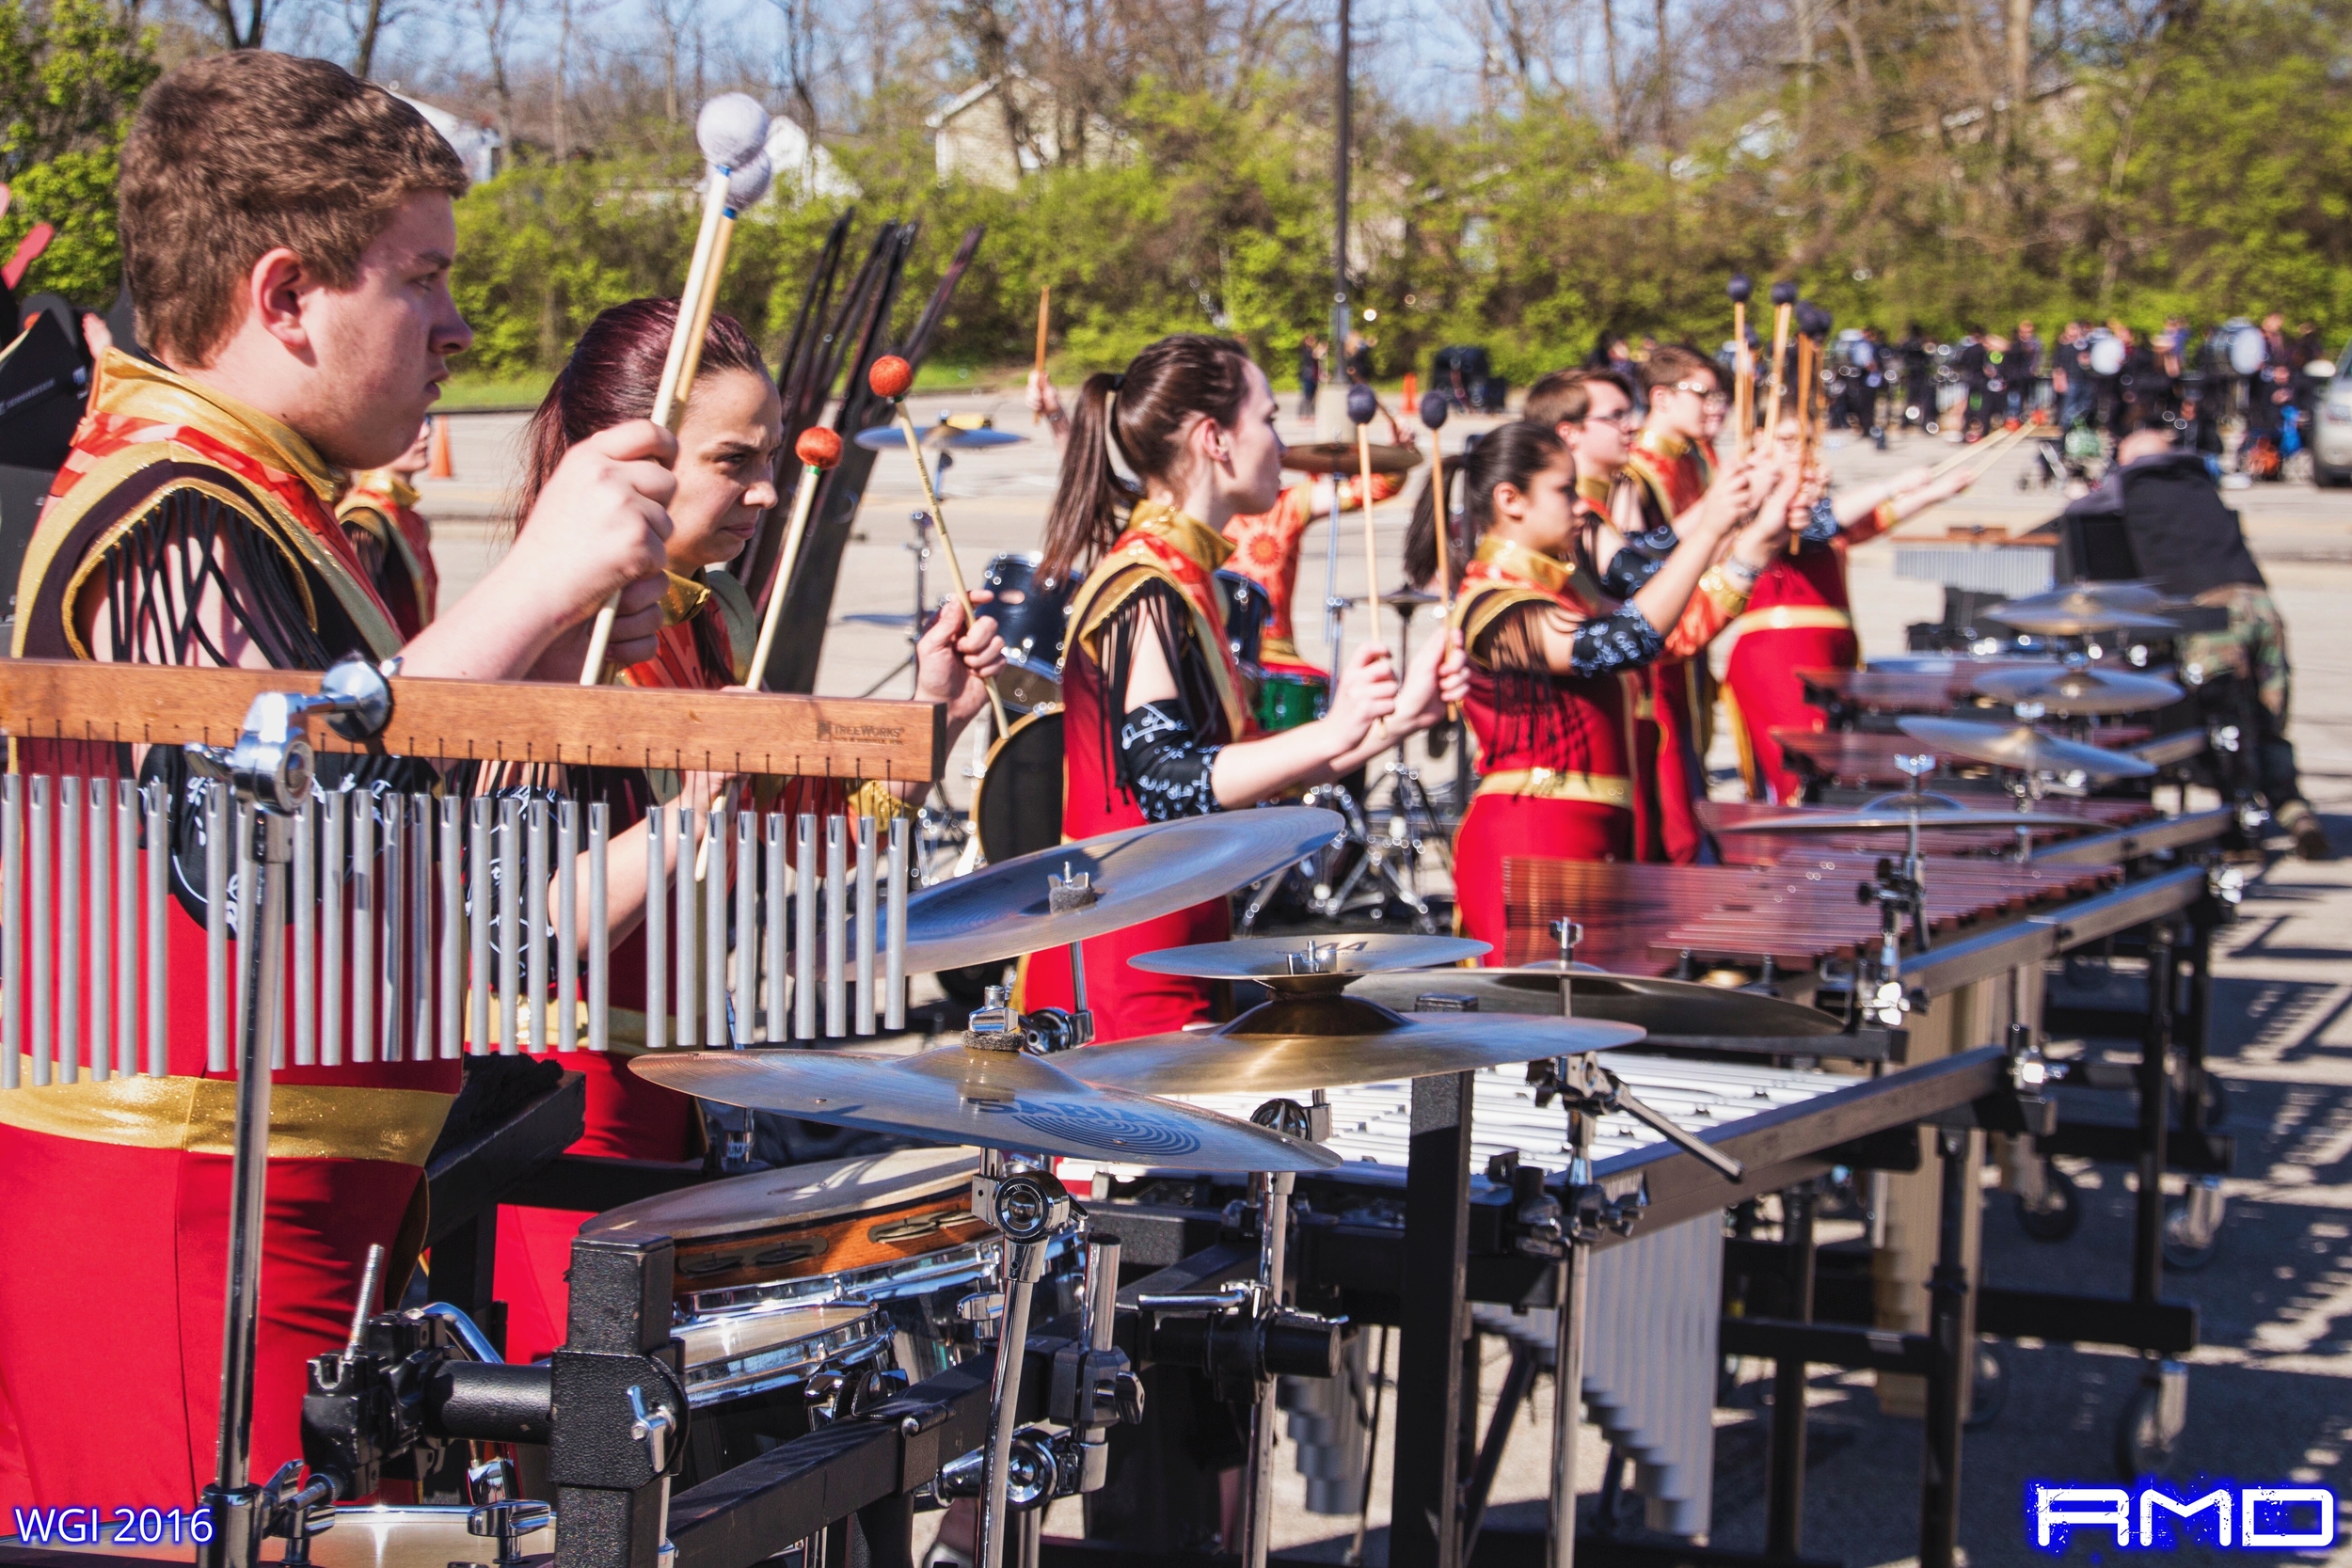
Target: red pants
1674,775
1762,675
110,1310
629,1116
1529,827
1129,1002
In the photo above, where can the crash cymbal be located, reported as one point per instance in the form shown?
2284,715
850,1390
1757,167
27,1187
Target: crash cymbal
2085,609
1294,1043
991,1099
1409,598
1134,875
1679,1013
2023,747
1305,964
2072,692
1895,816
1341,457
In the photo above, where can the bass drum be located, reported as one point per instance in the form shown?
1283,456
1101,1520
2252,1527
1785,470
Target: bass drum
1016,806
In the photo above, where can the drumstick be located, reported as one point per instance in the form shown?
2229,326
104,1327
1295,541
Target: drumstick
1807,378
1783,303
1043,297
1434,410
1969,454
1742,366
890,378
732,131
818,449
1363,404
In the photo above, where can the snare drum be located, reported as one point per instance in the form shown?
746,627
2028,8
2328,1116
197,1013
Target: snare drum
754,1377
1033,620
1287,700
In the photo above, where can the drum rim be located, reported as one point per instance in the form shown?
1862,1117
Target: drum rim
995,748
785,1362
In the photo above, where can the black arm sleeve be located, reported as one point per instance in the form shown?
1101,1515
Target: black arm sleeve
1629,572
1620,640
1820,525
1163,765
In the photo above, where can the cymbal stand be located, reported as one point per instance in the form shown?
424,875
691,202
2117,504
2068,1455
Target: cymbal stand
1027,1208
268,771
1588,1092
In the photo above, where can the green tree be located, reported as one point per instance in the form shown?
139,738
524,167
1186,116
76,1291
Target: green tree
71,74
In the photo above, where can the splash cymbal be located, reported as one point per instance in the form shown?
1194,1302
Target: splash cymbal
1307,963
2085,609
1681,1013
2086,692
2025,747
1134,875
1341,457
960,1094
1296,1043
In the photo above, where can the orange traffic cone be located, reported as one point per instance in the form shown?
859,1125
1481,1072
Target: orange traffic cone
441,467
1412,392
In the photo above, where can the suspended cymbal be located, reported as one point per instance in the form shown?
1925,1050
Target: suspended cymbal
2084,609
1341,457
1407,598
955,433
1294,1043
1135,875
2069,692
2023,747
1894,817
988,1099
1675,1012
1305,963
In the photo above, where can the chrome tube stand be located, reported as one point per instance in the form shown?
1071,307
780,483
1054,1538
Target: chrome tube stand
269,773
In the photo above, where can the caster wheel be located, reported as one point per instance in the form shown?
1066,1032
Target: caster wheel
2142,1447
1991,1390
2192,1227
2059,1209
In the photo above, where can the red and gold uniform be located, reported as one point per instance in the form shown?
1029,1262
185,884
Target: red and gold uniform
630,1116
1265,550
1559,767
109,1392
1672,475
1171,557
390,536
1797,618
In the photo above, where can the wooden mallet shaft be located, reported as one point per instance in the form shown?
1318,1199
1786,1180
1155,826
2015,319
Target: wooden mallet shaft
890,378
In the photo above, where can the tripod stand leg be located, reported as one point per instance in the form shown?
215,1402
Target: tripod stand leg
1274,1236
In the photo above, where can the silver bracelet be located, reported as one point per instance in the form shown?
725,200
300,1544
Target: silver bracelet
1741,574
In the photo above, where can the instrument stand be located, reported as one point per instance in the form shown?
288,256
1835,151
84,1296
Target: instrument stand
269,773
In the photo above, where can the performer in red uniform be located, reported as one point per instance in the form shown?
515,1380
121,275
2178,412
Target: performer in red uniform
1673,470
392,538
1554,655
288,233
1157,716
728,440
1800,618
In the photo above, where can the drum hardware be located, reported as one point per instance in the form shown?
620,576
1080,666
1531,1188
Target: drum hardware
269,771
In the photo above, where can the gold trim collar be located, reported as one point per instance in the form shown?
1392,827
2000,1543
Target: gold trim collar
1548,573
1200,544
142,390
385,483
684,601
1663,443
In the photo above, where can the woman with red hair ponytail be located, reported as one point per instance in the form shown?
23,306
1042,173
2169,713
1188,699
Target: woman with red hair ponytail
729,439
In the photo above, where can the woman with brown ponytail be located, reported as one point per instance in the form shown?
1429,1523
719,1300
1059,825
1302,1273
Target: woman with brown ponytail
1157,714
1555,659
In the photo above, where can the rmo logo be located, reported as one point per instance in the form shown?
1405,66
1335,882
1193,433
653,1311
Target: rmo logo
2148,1518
